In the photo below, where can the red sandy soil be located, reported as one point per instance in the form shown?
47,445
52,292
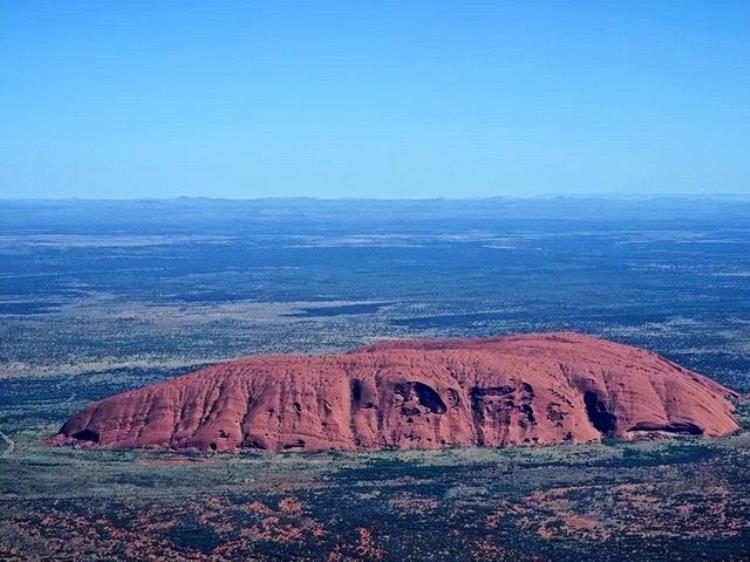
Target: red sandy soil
529,389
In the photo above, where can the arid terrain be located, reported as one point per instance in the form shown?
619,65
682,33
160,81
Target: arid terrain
676,500
102,298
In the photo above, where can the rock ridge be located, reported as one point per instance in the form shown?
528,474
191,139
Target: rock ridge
415,394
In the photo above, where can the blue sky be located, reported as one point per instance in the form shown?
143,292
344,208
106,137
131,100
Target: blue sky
373,99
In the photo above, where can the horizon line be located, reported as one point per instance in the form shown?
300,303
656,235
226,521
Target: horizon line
541,197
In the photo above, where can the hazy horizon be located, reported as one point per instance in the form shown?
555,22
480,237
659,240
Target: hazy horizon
536,197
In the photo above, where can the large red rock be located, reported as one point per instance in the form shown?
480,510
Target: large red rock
550,388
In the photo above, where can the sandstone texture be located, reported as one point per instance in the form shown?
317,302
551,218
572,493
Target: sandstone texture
425,394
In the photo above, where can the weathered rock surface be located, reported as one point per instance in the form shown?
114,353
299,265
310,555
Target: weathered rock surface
533,389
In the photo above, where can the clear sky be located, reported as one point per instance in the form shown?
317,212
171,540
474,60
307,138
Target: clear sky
373,99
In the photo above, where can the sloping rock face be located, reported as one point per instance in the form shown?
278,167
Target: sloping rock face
530,389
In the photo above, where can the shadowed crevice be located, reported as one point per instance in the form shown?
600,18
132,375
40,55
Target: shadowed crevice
681,428
429,398
86,435
603,420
